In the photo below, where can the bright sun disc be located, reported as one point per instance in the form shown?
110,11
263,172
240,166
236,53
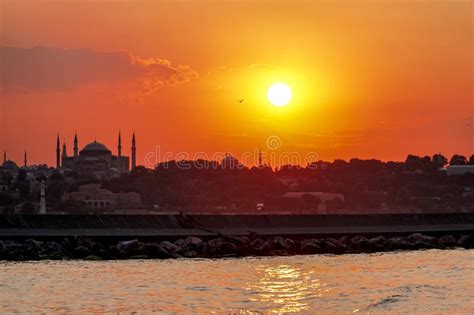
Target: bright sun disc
279,94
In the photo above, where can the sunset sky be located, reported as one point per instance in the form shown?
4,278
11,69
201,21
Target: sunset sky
370,79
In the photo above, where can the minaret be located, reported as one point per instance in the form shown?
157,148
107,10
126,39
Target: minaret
134,152
259,158
76,149
119,153
26,160
58,154
4,156
120,145
64,149
42,209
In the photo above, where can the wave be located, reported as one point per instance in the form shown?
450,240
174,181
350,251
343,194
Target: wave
386,300
405,292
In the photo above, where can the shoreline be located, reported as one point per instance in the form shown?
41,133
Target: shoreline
223,246
103,237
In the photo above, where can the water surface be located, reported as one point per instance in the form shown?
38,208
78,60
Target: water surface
433,281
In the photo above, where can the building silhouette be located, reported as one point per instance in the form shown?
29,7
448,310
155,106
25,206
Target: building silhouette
96,198
95,158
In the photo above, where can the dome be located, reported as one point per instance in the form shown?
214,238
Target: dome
95,148
230,161
10,165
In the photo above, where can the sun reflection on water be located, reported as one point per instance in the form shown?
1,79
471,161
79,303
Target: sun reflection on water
399,282
286,289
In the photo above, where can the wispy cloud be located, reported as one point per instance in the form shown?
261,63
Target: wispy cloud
56,69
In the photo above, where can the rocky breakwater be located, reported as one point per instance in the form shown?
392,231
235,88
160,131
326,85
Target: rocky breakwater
222,246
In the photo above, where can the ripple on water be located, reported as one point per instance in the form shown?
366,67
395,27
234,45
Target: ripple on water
428,281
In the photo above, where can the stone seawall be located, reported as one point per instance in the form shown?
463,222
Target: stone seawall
220,247
32,237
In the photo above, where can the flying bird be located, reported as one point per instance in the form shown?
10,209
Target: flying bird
241,100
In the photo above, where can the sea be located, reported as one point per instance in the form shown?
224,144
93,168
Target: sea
406,282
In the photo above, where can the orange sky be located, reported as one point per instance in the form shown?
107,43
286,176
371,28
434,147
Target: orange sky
370,79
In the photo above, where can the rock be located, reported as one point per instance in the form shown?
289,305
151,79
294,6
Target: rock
238,240
405,243
464,241
261,247
170,247
346,243
29,250
129,245
335,243
230,248
378,243
190,254
18,255
102,253
2,248
182,246
331,245
272,246
221,246
310,246
129,248
176,255
421,245
93,257
344,239
22,251
256,247
12,245
16,251
267,248
69,243
193,241
253,235
236,245
396,242
156,251
86,242
181,243
257,243
214,247
81,252
242,239
53,250
215,243
357,242
447,241
413,241
34,244
82,246
279,242
418,237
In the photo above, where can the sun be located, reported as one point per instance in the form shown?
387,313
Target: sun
279,94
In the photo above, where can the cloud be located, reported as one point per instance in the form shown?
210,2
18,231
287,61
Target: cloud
158,72
55,69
